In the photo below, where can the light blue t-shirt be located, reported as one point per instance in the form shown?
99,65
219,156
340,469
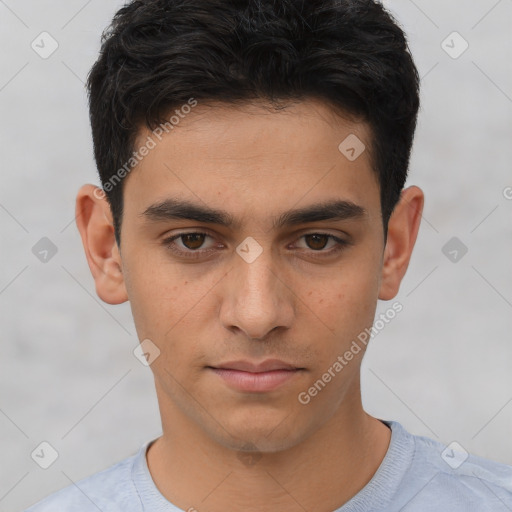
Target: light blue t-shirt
417,474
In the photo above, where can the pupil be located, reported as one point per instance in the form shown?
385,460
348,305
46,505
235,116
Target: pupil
314,245
195,240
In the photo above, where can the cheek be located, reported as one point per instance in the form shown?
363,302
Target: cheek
171,310
159,292
346,298
154,297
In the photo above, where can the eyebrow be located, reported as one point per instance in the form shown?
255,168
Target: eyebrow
173,209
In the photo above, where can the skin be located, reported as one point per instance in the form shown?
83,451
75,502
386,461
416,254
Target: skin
291,303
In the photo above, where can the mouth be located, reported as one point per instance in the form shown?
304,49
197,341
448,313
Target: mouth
252,377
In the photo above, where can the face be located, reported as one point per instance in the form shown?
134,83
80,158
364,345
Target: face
250,281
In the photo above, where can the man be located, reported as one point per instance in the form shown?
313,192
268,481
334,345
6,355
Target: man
252,158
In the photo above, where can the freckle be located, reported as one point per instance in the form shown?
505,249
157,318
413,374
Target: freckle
309,293
339,296
321,300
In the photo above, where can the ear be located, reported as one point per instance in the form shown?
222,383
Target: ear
94,221
403,229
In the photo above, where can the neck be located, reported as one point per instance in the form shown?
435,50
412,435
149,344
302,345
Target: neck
194,472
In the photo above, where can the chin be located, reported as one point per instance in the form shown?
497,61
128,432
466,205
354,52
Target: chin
274,435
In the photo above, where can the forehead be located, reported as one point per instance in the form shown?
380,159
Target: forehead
253,158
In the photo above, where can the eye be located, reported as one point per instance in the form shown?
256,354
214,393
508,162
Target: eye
192,241
191,244
317,242
187,244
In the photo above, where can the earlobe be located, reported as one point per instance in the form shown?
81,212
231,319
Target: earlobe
94,222
402,233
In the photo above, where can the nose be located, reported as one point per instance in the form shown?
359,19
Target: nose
257,298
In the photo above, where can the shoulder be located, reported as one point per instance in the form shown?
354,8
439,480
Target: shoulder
450,473
111,489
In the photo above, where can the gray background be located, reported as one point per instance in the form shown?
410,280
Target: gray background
67,372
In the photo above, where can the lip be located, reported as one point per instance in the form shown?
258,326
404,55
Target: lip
265,366
256,377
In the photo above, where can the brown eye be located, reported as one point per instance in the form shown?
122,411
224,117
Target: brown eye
189,245
192,241
317,241
320,245
192,245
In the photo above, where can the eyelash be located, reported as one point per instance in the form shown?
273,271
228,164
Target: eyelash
169,244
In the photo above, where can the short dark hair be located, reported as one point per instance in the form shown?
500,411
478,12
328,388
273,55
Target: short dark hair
158,54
